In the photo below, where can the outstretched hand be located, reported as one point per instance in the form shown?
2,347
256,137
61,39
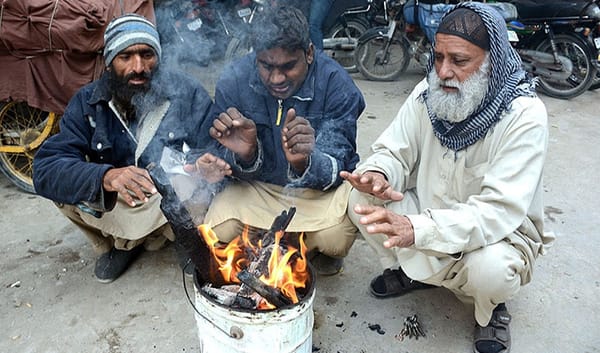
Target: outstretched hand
298,140
236,132
130,182
379,219
211,168
373,183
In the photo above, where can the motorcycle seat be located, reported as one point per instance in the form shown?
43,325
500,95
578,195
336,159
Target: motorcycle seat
540,9
507,10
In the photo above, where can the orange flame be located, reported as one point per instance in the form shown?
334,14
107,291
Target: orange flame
284,273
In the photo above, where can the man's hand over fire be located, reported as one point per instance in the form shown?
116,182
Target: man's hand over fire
130,182
211,168
298,140
237,133
373,183
397,227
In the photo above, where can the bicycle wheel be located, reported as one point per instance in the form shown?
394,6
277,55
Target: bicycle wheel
22,131
582,77
379,59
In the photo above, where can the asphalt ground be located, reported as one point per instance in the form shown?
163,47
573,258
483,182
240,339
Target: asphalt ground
50,300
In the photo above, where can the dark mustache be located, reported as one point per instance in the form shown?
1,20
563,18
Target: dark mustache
138,75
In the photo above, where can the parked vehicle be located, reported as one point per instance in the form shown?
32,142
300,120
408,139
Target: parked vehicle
194,31
559,43
347,21
383,53
239,43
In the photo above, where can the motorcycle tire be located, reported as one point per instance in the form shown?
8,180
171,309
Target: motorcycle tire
356,28
596,82
584,72
378,61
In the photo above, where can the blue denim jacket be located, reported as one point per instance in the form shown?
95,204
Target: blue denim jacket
328,98
69,166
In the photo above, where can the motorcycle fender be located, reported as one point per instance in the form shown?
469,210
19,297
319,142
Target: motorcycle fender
373,33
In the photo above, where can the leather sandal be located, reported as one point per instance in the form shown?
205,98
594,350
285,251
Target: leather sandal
393,283
495,337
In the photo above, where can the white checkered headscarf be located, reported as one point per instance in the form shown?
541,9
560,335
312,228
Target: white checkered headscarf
507,81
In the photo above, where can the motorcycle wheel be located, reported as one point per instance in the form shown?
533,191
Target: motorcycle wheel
356,27
237,48
378,61
582,77
22,129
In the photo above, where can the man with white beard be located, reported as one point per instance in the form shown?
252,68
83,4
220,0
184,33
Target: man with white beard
452,195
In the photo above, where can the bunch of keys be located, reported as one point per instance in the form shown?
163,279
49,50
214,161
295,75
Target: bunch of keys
412,328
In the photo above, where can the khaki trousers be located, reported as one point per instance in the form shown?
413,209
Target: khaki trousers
124,227
321,216
483,278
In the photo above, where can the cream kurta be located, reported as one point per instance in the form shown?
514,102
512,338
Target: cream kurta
490,191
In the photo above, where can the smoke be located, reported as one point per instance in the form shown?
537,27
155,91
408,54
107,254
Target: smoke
198,50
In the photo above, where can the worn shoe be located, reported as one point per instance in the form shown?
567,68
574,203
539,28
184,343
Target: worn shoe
113,263
326,265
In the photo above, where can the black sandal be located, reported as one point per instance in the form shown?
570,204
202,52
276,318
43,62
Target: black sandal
393,283
495,337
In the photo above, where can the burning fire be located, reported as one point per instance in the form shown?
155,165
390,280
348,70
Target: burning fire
286,272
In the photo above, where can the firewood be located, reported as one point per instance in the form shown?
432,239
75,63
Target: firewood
271,294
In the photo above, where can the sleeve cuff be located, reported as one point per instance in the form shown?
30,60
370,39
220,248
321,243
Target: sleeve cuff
252,167
424,229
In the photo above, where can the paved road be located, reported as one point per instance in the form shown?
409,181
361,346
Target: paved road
50,301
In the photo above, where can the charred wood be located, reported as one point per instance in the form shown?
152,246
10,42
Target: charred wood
271,294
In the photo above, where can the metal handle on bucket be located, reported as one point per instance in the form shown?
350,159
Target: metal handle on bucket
234,332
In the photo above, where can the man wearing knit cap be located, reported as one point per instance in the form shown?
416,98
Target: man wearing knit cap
93,169
452,196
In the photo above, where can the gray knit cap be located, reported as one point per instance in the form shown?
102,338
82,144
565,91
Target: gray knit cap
128,30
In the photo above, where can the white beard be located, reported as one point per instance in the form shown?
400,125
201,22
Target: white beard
455,107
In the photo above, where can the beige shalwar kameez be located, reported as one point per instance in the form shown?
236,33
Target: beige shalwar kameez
477,213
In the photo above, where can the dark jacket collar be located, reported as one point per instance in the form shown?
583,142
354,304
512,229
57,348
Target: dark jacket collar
101,90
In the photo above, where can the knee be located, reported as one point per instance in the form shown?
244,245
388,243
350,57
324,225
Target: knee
335,241
228,230
356,198
495,269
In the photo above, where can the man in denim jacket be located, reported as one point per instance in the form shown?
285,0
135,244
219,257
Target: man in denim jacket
111,129
284,127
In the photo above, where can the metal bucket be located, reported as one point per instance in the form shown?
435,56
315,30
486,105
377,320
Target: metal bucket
222,329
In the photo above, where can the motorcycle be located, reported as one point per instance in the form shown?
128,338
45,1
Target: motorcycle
346,22
246,11
195,31
559,43
383,53
562,51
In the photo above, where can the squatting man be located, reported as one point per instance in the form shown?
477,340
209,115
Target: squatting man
452,195
111,129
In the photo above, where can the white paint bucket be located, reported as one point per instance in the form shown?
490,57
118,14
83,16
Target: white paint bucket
222,329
